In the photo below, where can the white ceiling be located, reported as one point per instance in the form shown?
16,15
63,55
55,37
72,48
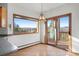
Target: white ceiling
36,7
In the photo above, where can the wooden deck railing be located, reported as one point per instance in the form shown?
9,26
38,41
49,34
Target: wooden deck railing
64,36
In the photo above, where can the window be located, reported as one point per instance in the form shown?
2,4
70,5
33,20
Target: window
64,24
25,25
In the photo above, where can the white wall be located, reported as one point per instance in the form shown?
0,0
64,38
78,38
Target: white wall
42,31
74,9
19,40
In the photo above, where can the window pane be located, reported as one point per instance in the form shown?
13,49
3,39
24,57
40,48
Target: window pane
64,24
51,30
25,25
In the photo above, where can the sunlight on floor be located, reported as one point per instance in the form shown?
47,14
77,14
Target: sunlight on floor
41,50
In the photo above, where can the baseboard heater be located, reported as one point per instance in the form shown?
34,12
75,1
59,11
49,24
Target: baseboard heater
27,45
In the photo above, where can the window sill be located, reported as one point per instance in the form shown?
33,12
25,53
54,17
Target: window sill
24,33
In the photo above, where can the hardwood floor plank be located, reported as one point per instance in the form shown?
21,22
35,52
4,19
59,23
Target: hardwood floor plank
41,50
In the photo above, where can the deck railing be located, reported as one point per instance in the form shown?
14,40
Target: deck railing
64,36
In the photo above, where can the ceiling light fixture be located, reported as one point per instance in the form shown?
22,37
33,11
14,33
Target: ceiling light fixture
42,17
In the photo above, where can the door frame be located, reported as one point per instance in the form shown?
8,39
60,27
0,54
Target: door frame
46,31
70,29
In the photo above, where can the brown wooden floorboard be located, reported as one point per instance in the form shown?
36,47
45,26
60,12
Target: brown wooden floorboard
41,50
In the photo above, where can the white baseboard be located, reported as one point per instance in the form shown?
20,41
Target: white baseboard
27,45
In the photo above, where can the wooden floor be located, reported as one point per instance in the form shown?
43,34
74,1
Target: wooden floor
60,44
41,50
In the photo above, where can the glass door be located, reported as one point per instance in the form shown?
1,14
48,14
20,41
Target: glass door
59,31
63,32
51,24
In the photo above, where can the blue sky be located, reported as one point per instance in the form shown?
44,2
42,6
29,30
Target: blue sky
25,23
63,21
49,22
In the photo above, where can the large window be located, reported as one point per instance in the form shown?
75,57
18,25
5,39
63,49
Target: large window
25,25
64,24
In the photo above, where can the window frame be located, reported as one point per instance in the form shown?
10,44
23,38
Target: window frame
70,20
25,17
56,19
70,26
60,24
